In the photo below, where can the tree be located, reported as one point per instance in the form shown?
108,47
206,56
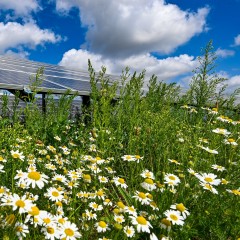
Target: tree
206,86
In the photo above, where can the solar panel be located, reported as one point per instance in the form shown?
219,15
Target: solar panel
15,74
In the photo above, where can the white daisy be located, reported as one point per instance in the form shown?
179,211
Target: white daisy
174,217
101,226
120,182
129,231
142,198
69,231
141,223
54,194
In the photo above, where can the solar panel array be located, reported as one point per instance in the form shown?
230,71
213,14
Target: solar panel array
15,74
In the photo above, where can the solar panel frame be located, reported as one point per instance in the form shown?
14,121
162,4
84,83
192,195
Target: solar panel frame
56,79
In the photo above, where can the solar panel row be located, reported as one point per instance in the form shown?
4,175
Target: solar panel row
16,73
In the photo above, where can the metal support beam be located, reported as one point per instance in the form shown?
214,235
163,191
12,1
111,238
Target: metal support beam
44,102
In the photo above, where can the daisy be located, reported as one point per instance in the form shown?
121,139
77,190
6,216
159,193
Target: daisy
129,231
17,155
130,210
148,184
171,179
221,131
54,194
21,203
181,208
209,178
234,191
174,217
128,158
51,231
101,226
100,194
90,215
165,224
95,206
142,198
21,230
60,178
147,174
119,218
209,187
69,231
120,182
51,149
47,219
218,167
2,159
36,178
208,149
230,141
102,179
141,223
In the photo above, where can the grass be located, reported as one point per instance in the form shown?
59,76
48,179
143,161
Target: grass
139,168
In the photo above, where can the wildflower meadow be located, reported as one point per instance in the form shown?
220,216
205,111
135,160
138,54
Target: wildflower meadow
136,164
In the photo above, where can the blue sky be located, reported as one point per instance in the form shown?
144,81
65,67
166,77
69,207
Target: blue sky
163,37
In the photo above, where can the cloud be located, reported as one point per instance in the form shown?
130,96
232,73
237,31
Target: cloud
16,35
20,8
237,40
233,83
123,28
165,69
224,53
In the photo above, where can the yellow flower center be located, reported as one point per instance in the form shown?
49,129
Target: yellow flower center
34,175
208,179
166,222
102,224
180,207
34,211
100,193
236,192
172,177
55,193
86,176
142,195
20,203
47,220
173,217
50,230
149,181
121,180
121,205
69,232
141,220
2,190
1,158
19,229
95,205
128,157
16,155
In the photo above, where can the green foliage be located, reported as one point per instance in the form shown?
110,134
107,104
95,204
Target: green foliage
206,86
128,132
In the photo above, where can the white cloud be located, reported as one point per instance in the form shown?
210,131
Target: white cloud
15,35
237,40
123,28
21,8
224,53
165,69
233,83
